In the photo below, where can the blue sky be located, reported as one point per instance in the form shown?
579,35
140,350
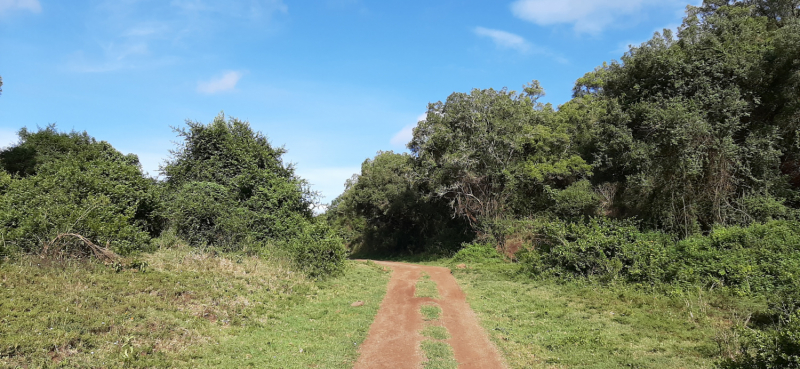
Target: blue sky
334,81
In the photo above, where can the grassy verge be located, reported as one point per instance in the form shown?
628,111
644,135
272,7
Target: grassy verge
178,308
550,324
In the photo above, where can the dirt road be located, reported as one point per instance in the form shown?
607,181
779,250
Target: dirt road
394,337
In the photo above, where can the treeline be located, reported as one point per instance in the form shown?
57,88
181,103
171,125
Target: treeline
225,187
678,164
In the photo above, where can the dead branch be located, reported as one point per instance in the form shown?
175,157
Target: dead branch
102,253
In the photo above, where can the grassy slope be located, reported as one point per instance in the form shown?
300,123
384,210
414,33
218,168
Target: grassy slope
546,324
186,310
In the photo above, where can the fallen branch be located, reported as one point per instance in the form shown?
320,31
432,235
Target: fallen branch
102,253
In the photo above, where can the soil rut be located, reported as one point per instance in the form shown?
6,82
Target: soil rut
394,337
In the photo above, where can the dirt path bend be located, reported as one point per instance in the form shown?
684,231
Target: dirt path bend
394,337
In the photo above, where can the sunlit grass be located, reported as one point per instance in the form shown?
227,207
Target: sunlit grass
185,308
438,355
430,312
551,324
426,287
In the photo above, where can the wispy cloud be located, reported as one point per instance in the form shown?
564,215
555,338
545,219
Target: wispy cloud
227,82
586,16
401,138
508,40
30,5
504,39
245,9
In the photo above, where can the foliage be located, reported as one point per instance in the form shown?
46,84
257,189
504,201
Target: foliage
601,248
228,187
387,210
70,183
763,258
771,349
476,252
694,123
760,258
491,152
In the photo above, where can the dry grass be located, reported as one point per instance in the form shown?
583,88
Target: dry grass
140,313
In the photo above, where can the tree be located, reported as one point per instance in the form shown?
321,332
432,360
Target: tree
71,183
696,125
392,212
228,183
494,153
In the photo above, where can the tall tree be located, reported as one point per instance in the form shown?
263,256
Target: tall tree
699,125
494,153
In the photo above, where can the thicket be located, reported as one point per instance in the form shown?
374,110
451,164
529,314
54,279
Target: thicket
677,165
226,188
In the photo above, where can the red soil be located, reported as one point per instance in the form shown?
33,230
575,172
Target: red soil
394,337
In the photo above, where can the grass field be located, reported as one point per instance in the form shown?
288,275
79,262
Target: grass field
551,324
179,308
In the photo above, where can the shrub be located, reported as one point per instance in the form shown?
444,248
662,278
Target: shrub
769,349
70,183
317,250
600,248
228,187
757,258
476,252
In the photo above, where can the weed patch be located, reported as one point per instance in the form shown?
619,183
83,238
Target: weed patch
430,312
425,287
438,355
436,332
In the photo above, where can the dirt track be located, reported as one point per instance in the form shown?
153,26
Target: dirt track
394,337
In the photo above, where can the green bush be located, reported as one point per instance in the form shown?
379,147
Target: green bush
70,183
227,187
475,252
769,349
317,250
758,258
601,247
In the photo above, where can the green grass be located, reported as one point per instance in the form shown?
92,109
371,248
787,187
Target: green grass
551,324
430,312
187,309
436,332
439,355
322,333
425,287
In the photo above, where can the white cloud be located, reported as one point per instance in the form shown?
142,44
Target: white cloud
400,139
512,41
504,39
225,83
31,5
587,16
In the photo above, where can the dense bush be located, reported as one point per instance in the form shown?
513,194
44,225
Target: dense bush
228,187
477,252
761,258
71,183
758,258
769,349
601,248
387,210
